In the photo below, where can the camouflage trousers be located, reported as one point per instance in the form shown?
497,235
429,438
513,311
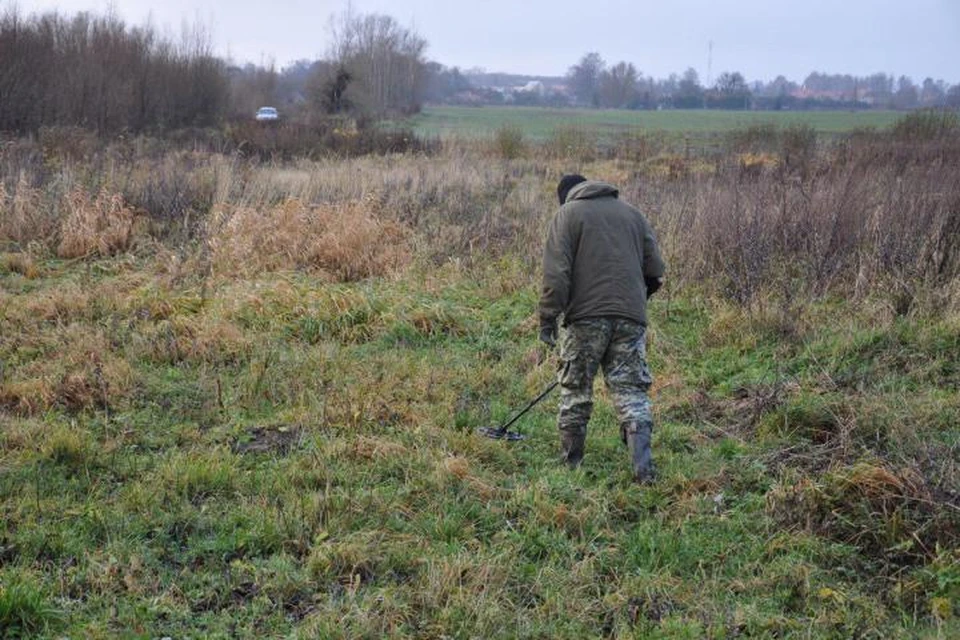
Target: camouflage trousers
619,347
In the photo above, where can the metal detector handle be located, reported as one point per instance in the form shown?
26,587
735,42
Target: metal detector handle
533,403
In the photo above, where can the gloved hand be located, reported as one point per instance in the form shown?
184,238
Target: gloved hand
653,284
548,335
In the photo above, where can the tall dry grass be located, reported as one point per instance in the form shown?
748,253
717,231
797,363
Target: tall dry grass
101,225
773,212
860,218
346,241
22,216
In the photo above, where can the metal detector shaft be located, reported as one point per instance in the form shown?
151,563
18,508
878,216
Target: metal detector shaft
502,430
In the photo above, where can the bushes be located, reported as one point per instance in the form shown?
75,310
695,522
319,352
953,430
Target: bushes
926,125
329,137
97,73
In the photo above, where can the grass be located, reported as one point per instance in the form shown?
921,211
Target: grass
328,481
540,123
264,424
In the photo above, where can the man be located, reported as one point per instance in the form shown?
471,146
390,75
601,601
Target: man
600,264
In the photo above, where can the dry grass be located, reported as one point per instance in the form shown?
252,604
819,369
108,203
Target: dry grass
888,512
82,371
21,263
23,217
95,226
346,242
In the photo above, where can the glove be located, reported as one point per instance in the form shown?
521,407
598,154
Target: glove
653,284
548,335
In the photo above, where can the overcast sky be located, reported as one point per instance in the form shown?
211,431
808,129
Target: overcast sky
759,38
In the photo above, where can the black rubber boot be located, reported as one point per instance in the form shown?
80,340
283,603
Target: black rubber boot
639,435
571,445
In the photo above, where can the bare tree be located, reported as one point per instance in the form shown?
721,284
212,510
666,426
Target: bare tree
618,86
93,71
584,79
380,66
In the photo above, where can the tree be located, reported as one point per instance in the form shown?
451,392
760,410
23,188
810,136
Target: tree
444,84
94,71
953,96
932,93
252,87
729,92
584,79
907,95
618,86
689,92
383,64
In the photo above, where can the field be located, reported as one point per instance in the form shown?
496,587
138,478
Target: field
239,397
540,123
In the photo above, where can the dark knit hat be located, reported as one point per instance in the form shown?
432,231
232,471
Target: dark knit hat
568,182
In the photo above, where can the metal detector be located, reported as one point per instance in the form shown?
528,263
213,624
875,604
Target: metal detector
502,433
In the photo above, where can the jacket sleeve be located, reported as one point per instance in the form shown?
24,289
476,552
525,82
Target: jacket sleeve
558,255
652,262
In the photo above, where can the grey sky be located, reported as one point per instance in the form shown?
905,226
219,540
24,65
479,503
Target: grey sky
759,38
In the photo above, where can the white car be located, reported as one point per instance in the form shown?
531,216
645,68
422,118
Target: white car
267,114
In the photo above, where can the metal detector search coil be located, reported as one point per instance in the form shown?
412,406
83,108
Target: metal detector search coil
502,433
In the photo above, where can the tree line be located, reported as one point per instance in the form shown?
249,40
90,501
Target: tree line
591,82
96,72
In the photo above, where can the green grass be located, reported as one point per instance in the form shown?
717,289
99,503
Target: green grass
318,474
540,123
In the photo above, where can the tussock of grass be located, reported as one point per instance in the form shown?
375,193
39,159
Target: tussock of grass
80,371
21,263
102,225
24,608
22,215
348,242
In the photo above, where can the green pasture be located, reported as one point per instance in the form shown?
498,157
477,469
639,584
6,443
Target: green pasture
540,123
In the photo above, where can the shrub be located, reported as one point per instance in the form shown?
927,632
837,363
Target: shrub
891,514
328,137
571,143
508,141
926,125
754,138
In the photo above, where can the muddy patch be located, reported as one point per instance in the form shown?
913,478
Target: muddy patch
279,439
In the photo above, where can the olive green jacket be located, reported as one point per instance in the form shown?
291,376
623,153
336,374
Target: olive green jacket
598,252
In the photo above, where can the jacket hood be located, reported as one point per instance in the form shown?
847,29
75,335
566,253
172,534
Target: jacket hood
591,189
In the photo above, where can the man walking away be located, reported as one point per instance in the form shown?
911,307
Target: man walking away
600,264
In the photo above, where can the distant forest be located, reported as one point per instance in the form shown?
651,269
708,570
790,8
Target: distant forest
97,72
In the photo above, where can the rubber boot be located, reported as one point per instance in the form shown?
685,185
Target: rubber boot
571,445
641,459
